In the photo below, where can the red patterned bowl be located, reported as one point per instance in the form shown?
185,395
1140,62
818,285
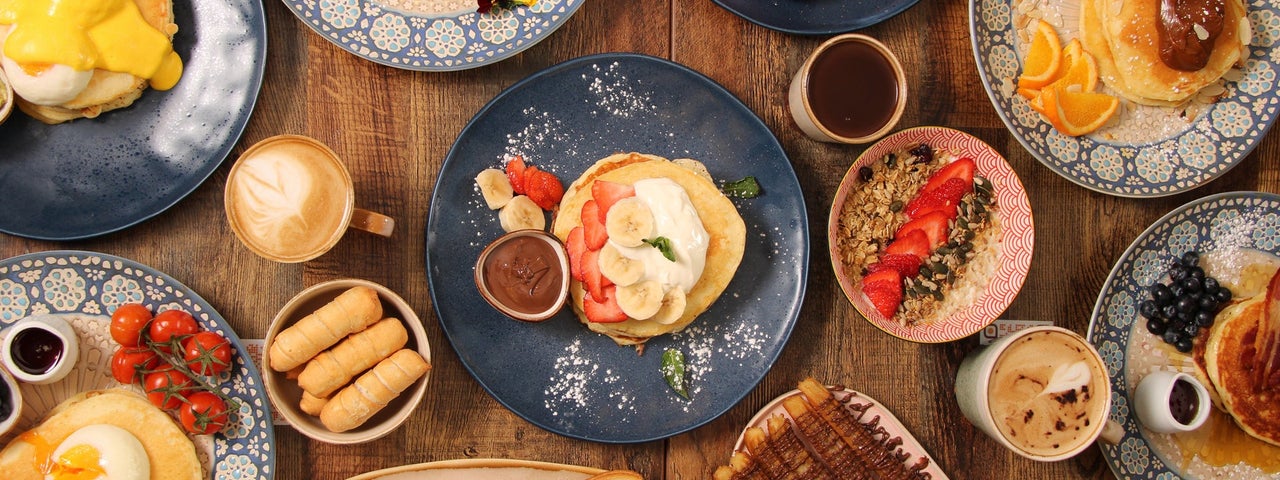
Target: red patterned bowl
1017,236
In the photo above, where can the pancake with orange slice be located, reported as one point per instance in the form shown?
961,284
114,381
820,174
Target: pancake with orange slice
714,213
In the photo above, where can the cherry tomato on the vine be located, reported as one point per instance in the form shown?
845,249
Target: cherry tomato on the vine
128,322
166,388
130,364
171,324
203,414
207,353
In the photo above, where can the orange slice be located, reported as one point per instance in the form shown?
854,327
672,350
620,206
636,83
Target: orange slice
1044,58
1076,112
1081,69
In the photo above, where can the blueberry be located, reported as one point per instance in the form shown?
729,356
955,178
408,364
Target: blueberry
1172,335
1204,318
1191,330
1177,272
1187,317
1148,309
1224,296
1183,344
1157,327
1177,290
1196,273
924,151
1208,303
865,174
1187,304
1161,294
1191,259
1169,311
1211,285
1192,284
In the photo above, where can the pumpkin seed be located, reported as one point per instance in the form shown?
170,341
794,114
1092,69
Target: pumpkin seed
896,206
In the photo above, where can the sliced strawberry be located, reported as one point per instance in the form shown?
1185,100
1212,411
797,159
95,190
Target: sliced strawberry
907,265
592,279
515,173
962,169
576,246
884,289
947,209
606,311
914,242
592,227
948,194
934,225
543,188
607,193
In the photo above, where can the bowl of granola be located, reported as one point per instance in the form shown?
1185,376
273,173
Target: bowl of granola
930,234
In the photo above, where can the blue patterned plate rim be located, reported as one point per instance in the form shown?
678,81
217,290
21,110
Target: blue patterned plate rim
427,42
91,177
593,110
1218,140
814,17
1101,332
230,455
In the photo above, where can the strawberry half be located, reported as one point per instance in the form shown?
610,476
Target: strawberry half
607,193
934,225
914,242
515,173
907,265
606,311
592,228
592,279
576,246
543,188
962,169
884,290
948,194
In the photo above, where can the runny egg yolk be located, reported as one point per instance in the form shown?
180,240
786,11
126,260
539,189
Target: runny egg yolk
92,452
81,462
87,34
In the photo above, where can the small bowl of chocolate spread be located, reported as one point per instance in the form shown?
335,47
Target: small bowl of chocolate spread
524,274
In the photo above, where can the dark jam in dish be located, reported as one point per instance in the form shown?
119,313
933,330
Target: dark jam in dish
36,350
524,275
5,406
853,89
1183,401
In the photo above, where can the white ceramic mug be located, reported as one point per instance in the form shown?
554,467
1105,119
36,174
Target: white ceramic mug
802,105
974,394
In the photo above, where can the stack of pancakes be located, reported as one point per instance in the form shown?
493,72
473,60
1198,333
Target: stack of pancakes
1124,39
719,217
1226,362
106,90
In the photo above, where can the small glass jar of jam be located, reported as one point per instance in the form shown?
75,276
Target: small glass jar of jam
1171,402
40,350
524,274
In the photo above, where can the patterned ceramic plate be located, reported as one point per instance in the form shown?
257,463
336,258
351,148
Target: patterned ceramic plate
1017,236
1147,151
815,17
1234,224
869,410
431,35
83,288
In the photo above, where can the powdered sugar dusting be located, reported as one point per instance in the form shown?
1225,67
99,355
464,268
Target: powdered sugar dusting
703,346
616,93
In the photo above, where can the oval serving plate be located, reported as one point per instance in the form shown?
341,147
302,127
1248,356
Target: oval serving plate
851,398
557,374
1017,236
91,177
1229,223
83,287
488,468
815,17
432,35
1149,151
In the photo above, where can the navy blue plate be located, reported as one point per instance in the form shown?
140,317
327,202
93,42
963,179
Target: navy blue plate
90,177
557,374
815,17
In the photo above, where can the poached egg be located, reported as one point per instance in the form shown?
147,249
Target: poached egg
98,452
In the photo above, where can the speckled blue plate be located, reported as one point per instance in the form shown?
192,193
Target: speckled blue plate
95,176
1217,223
85,287
815,17
557,374
1150,159
432,35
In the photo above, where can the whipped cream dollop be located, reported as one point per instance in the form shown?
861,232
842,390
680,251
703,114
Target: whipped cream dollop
676,219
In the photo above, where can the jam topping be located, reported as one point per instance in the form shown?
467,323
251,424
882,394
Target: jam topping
524,274
1184,403
36,350
1188,30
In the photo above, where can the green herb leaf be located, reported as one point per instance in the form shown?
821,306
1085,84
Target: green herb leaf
673,371
748,187
663,244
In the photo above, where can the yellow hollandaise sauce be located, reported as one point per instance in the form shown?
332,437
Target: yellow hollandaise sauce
87,34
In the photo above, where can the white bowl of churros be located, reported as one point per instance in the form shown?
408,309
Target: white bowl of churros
346,361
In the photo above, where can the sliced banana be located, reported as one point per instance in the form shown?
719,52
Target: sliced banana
495,187
520,214
619,269
672,308
629,222
640,300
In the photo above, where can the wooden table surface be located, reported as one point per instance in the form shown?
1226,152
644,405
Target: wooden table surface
394,127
